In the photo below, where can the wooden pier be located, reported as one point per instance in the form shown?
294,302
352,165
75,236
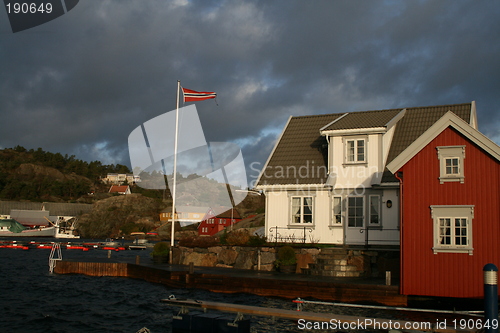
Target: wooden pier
342,321
289,286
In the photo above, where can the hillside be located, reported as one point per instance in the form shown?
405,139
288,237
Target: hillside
37,175
120,215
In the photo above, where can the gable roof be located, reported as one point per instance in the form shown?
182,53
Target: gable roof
299,143
118,188
447,120
302,144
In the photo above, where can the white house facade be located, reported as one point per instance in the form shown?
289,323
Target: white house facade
326,179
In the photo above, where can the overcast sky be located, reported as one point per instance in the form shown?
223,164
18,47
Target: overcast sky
82,82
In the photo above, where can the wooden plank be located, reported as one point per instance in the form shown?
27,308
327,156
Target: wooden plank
299,315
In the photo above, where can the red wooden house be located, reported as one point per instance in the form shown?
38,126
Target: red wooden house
450,209
213,223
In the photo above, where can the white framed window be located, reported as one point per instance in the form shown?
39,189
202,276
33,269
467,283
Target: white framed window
453,228
355,209
355,150
374,210
451,163
337,211
302,210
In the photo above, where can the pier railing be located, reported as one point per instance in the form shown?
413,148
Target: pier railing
276,237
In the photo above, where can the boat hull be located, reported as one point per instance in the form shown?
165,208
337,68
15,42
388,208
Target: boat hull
43,232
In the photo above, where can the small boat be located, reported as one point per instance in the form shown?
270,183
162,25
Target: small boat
12,228
139,244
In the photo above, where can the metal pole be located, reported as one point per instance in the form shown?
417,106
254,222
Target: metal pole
172,232
490,298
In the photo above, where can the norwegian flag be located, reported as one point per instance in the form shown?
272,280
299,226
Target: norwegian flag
194,96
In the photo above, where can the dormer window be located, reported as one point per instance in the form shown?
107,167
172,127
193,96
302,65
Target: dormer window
451,163
355,150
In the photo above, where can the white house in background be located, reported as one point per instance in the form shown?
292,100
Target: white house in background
326,179
120,178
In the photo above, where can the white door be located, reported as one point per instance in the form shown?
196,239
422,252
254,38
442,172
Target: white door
355,221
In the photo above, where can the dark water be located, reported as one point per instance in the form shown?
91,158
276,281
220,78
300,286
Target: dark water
33,300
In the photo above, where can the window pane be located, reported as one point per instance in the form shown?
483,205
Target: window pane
361,150
460,231
350,151
337,217
445,231
451,166
374,209
302,210
355,212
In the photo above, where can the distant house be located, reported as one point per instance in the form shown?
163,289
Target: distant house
120,189
213,223
185,215
120,178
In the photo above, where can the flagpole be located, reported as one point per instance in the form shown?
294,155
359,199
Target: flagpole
172,232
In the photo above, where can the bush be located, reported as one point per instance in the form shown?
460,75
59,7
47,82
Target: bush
257,240
286,256
161,249
238,237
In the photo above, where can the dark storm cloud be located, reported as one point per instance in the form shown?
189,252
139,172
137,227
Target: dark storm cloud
81,83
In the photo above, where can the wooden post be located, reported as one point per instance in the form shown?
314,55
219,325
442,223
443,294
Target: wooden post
191,267
387,278
109,254
258,259
137,260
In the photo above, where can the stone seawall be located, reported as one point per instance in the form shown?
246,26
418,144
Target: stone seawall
240,257
339,262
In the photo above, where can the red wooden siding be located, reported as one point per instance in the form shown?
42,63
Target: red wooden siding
448,274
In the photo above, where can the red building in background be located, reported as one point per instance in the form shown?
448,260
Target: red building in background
212,223
450,209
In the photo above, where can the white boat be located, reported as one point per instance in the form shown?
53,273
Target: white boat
65,229
12,228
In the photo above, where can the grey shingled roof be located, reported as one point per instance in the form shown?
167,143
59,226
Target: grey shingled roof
363,119
301,145
417,120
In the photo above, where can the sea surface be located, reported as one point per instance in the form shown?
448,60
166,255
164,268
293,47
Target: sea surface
34,300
